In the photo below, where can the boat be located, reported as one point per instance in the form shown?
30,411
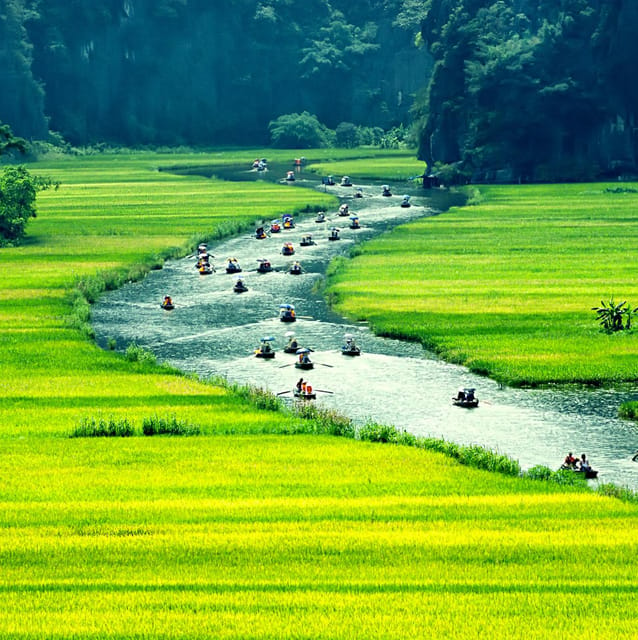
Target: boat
260,233
275,226
358,193
328,180
167,304
465,398
304,395
307,241
287,313
264,265
350,348
354,222
344,210
287,249
296,269
205,270
386,190
588,474
334,234
289,223
346,182
233,266
321,217
304,361
292,345
290,176
406,202
239,286
265,350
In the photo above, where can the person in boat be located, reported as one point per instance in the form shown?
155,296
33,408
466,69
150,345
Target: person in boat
358,193
570,461
460,395
583,463
168,302
344,209
292,343
259,232
300,384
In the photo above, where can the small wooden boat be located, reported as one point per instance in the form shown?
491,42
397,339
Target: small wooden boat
321,217
290,176
240,287
305,365
354,222
334,234
386,191
288,249
344,210
350,347
346,182
304,361
465,398
406,202
304,395
233,266
296,269
265,350
589,474
328,181
275,226
306,241
289,223
167,305
205,270
260,233
358,193
287,313
264,266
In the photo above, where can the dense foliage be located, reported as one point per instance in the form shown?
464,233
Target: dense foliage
534,89
190,71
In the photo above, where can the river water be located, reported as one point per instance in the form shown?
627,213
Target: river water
214,331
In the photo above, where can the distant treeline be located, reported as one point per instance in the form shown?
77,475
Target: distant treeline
538,89
199,72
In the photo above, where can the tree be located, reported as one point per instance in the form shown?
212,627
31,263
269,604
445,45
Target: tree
299,131
18,189
8,141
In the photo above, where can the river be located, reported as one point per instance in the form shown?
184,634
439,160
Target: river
214,331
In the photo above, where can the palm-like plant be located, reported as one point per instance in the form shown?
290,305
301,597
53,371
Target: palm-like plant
610,315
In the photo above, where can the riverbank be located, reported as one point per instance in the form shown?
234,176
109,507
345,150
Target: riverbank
232,534
506,286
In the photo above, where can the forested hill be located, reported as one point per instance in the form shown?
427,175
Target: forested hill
540,89
202,71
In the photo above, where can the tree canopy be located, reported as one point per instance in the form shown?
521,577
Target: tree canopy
535,89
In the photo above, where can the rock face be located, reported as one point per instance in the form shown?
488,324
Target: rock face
196,72
532,91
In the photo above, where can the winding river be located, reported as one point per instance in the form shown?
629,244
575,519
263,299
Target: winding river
214,331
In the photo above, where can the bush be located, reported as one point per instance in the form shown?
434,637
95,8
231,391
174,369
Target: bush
103,428
299,131
156,425
135,353
374,432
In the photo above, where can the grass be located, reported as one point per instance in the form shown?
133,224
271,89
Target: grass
307,536
241,531
506,286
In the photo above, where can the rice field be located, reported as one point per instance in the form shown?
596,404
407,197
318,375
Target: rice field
242,531
305,536
506,286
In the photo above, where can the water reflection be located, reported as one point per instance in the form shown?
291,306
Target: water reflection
213,331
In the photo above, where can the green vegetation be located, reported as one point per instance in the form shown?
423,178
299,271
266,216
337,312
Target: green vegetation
506,287
243,531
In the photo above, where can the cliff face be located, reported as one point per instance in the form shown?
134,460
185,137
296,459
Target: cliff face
532,90
196,72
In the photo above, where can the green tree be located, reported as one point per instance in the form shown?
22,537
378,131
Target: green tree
9,142
299,131
18,189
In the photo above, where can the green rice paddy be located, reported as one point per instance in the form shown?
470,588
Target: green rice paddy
243,532
506,286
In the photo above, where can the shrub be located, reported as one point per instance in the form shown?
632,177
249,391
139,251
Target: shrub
103,428
156,425
374,432
135,353
299,131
